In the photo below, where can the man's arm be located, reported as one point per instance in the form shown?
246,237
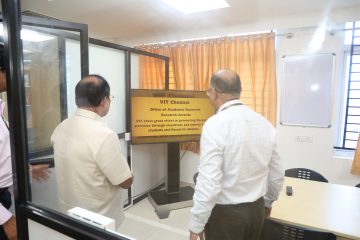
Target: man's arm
8,222
40,172
10,228
275,181
127,183
113,164
208,184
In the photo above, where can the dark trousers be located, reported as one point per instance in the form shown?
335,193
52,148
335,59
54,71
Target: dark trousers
242,221
5,200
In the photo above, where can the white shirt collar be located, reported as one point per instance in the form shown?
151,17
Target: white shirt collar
86,113
227,104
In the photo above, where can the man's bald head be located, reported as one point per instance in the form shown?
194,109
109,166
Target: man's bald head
91,90
227,82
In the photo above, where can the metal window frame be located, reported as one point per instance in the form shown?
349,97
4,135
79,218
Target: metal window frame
349,89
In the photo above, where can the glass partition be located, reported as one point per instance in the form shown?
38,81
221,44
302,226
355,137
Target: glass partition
56,54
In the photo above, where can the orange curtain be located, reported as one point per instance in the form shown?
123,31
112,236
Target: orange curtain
355,169
152,73
193,62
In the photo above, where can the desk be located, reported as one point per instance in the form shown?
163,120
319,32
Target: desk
320,206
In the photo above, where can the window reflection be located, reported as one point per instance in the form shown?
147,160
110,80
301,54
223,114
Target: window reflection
42,89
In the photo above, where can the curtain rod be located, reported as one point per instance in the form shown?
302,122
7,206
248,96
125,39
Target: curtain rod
287,35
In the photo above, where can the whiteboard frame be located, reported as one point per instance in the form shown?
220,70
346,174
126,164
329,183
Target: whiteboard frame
330,93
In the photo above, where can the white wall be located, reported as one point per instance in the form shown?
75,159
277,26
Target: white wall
317,155
291,21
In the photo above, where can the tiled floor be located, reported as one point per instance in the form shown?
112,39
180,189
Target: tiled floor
142,223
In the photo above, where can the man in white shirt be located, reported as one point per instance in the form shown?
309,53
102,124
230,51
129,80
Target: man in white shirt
89,164
240,172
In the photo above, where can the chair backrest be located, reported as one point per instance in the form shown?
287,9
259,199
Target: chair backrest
305,173
277,231
358,185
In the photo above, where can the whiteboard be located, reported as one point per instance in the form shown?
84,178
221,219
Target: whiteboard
307,90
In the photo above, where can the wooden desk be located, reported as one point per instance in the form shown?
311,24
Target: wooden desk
320,206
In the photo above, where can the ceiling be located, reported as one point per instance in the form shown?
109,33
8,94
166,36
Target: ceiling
129,20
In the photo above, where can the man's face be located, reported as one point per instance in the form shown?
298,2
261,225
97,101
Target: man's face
3,86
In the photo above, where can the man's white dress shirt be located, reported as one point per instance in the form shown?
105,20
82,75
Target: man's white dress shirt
239,162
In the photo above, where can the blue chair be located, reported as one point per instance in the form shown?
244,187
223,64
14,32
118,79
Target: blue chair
305,173
277,231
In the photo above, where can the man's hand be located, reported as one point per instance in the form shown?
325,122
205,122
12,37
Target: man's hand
267,212
10,228
195,236
40,172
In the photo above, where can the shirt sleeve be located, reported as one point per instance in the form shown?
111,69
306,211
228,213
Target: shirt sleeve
275,178
5,214
208,184
111,161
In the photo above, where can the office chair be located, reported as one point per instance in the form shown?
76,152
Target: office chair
305,173
358,185
277,231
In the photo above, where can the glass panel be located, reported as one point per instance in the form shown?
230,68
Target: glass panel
73,72
355,77
352,136
349,25
353,111
353,127
356,59
348,37
48,67
350,144
355,68
355,85
354,102
353,119
42,87
354,94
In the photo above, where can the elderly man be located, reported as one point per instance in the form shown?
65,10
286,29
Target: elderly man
89,164
240,172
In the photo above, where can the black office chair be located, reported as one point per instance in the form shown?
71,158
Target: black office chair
358,185
305,173
277,231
